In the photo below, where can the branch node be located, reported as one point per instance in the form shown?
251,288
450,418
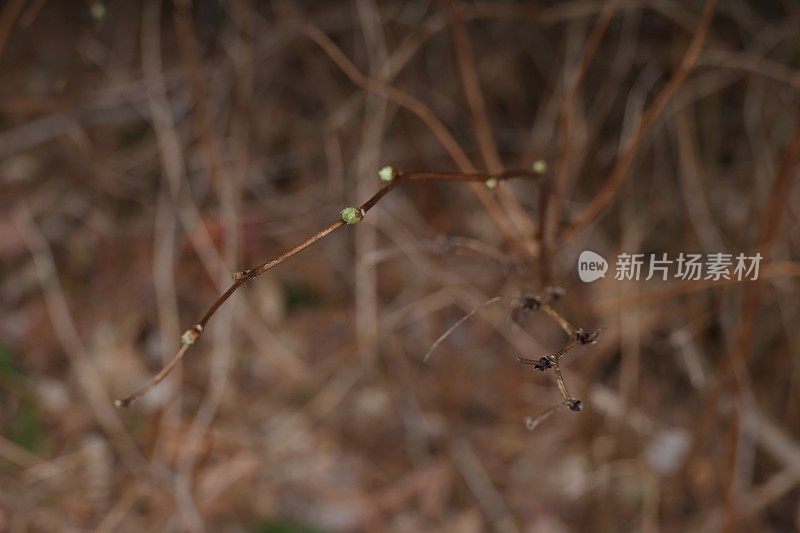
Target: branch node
241,275
574,404
192,334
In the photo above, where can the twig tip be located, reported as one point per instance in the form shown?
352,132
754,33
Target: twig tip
121,404
387,173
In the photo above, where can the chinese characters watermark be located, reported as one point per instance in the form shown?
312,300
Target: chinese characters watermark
635,267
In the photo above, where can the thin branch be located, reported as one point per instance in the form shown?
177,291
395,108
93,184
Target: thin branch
532,422
460,321
191,335
552,213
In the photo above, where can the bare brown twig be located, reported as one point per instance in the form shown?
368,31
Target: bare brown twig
350,215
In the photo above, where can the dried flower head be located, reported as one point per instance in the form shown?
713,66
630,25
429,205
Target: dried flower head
588,337
352,215
545,362
491,183
531,303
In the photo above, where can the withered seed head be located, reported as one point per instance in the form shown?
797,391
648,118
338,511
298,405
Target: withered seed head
574,404
588,337
545,362
531,303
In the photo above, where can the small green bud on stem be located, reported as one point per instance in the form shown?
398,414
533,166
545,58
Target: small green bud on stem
387,173
352,215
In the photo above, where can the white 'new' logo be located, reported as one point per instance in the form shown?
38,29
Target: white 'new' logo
591,266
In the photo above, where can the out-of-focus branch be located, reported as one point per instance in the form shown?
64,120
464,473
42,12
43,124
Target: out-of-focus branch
490,154
605,196
566,117
8,16
89,378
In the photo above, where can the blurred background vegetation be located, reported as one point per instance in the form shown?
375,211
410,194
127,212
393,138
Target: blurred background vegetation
149,149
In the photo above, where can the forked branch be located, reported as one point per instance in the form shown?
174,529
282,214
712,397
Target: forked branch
350,215
525,304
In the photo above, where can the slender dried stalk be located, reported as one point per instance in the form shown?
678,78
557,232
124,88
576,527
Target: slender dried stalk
574,335
532,422
546,362
460,321
191,335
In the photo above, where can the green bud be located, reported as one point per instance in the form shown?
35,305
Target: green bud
539,166
98,11
352,215
387,173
